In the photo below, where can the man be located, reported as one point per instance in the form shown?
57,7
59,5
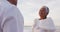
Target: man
11,19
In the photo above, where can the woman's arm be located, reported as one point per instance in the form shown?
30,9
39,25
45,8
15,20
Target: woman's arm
47,30
35,26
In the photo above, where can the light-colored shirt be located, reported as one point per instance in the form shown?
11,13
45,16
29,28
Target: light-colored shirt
11,19
45,25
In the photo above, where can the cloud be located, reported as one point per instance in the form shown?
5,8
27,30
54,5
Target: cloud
30,8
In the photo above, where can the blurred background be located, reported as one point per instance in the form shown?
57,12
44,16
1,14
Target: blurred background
30,8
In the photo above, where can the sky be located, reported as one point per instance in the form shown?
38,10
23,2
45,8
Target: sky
30,8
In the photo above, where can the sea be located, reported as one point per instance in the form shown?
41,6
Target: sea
29,29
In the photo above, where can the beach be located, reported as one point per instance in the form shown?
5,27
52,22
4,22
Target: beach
29,29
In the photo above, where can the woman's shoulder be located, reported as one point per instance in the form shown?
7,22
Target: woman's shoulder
36,20
49,17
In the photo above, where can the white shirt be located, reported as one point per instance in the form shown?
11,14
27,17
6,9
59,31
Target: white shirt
11,19
45,25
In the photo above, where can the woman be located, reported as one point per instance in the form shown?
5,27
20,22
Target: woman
44,23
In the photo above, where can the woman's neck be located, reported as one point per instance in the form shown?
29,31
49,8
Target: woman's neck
42,18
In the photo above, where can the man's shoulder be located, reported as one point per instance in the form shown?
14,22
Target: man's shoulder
13,6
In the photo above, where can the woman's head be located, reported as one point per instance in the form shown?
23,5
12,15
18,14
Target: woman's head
43,12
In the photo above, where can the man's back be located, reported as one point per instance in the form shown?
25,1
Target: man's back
11,19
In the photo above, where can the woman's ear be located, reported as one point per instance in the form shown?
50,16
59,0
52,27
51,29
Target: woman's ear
47,14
